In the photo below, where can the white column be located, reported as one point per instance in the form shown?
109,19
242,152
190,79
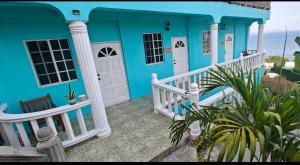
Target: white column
260,38
248,37
194,98
88,70
214,43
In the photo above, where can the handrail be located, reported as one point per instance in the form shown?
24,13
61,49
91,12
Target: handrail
183,75
174,90
5,117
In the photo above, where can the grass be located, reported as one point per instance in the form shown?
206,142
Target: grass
273,84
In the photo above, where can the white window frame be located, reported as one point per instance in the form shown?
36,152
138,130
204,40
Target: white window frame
54,62
162,46
208,53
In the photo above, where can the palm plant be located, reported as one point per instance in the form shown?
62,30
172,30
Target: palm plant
259,119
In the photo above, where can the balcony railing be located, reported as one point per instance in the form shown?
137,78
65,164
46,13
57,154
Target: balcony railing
19,136
254,4
170,92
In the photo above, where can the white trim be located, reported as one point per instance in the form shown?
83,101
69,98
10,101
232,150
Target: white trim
54,62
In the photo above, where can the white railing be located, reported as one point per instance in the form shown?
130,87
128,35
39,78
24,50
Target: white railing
169,93
13,136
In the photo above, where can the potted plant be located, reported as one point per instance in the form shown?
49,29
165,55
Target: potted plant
71,96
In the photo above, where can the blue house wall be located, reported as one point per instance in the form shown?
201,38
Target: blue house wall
17,81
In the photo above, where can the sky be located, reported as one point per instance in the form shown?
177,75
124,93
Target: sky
282,13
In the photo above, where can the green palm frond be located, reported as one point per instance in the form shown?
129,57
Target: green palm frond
259,120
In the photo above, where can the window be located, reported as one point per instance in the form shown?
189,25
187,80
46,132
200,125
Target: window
52,61
153,48
206,42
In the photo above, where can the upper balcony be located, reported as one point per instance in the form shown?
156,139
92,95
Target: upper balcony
254,4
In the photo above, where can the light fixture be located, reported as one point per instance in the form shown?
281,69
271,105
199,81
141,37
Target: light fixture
76,12
167,27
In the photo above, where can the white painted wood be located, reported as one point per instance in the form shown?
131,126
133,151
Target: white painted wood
260,38
23,134
214,43
34,126
11,134
111,72
229,41
51,124
88,70
180,55
81,121
68,126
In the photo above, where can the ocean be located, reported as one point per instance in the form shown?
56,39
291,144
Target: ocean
274,43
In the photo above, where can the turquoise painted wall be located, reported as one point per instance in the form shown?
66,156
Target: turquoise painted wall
103,26
131,29
196,57
16,71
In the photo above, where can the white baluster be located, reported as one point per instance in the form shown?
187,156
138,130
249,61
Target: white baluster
68,126
169,94
175,103
23,134
163,100
34,126
155,93
51,124
11,134
81,121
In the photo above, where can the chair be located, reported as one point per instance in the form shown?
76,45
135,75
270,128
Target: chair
40,104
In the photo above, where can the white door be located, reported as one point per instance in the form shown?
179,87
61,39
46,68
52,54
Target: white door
111,72
228,47
180,55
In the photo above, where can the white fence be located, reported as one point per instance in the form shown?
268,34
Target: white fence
170,92
7,122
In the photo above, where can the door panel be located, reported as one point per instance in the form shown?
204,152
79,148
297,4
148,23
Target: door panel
180,55
228,47
111,72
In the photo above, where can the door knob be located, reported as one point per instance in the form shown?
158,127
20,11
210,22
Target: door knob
99,78
98,74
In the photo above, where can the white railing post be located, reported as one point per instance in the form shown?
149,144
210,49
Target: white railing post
155,93
194,99
242,61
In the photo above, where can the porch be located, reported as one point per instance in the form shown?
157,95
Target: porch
138,134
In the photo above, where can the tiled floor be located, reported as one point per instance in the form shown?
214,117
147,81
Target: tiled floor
138,134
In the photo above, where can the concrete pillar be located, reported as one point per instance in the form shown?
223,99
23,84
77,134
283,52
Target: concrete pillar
88,70
50,145
214,43
260,38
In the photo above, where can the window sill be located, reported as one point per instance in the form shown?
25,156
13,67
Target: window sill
58,83
155,63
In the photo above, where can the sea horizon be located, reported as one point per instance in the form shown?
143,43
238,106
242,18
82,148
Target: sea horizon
274,43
